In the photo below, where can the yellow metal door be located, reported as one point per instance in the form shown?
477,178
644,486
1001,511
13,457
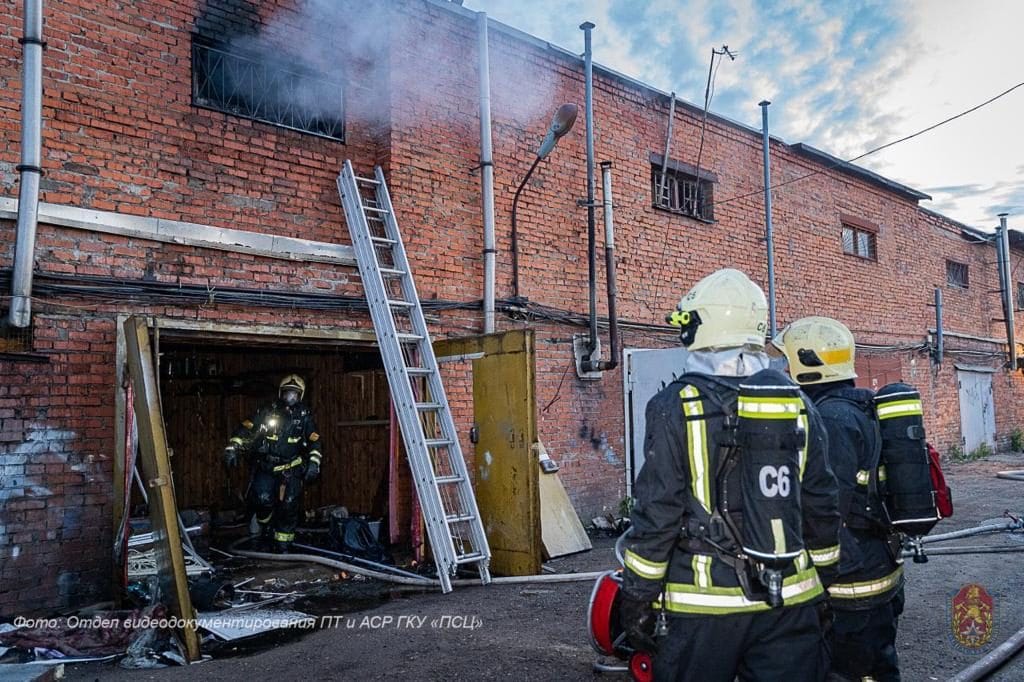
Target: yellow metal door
505,469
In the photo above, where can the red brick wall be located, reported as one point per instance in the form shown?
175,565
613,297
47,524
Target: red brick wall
121,134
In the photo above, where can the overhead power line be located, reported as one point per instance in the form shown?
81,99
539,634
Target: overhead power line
876,149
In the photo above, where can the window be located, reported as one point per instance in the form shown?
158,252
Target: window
271,92
956,274
1020,296
679,190
860,237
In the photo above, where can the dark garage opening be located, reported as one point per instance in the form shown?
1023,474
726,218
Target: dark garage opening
209,385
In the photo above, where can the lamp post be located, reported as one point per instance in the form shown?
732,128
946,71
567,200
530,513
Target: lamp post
561,124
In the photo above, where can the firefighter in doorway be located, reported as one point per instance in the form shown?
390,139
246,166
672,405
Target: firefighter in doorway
284,446
735,526
867,597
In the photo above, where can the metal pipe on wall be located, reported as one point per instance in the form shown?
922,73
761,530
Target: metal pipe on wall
1004,274
768,230
588,69
20,313
609,262
939,334
486,173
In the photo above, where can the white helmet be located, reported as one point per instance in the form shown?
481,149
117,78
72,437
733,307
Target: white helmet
723,310
819,350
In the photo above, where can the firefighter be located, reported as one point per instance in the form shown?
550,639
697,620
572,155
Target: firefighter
686,595
284,446
867,596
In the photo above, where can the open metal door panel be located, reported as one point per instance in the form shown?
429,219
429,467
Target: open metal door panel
505,467
156,474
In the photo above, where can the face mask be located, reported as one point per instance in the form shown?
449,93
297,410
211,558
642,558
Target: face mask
290,397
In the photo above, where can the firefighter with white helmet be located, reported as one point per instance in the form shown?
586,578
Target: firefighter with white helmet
735,522
867,596
284,445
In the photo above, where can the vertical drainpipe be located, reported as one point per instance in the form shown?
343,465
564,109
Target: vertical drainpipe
609,264
20,314
939,339
588,70
486,173
1004,274
768,231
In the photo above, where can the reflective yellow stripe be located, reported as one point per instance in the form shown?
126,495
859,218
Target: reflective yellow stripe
652,570
769,408
284,537
272,437
697,441
801,420
802,561
881,473
315,457
868,588
686,598
294,463
779,535
701,570
294,439
863,477
825,556
266,520
236,440
899,408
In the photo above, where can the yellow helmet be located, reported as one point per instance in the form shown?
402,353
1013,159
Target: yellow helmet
292,382
723,310
819,350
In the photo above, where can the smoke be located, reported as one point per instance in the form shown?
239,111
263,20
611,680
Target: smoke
385,59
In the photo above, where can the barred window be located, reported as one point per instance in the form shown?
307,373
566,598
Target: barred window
1019,303
956,274
860,237
680,191
276,93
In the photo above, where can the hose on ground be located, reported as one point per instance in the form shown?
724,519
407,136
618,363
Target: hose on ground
993,660
1017,475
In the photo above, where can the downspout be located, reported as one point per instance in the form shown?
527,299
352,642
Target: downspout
1004,276
769,234
486,173
20,314
588,70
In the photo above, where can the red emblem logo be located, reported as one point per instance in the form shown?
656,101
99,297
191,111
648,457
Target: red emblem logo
972,616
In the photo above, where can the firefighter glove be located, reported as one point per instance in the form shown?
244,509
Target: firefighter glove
312,472
638,619
230,456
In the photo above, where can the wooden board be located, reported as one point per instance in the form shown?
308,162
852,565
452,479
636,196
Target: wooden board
560,526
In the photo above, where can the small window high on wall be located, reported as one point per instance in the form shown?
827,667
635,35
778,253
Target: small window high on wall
680,190
269,90
860,237
956,274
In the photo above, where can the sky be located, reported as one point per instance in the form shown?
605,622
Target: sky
844,77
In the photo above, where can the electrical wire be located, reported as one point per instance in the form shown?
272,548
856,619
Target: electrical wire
876,149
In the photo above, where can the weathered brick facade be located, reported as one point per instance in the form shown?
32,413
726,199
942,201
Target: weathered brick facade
122,136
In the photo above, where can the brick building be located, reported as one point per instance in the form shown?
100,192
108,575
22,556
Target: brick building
190,152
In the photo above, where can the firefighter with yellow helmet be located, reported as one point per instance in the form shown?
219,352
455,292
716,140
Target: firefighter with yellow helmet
284,446
735,522
867,596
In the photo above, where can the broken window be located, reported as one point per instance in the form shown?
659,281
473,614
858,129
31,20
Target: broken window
679,190
266,89
860,237
956,274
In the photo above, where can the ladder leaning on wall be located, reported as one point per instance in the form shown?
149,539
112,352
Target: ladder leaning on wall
442,482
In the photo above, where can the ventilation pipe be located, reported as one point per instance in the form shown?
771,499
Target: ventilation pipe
1005,282
586,361
20,314
769,234
486,172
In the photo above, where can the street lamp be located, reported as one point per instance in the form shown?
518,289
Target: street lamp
561,123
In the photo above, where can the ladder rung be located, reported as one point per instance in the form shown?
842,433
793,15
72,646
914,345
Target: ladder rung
408,338
383,240
419,371
438,442
423,407
468,558
400,304
375,209
368,181
455,518
392,272
441,480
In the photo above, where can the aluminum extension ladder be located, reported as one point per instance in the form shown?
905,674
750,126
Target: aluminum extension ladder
442,483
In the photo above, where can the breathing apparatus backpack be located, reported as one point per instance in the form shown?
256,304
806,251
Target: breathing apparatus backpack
756,522
908,495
